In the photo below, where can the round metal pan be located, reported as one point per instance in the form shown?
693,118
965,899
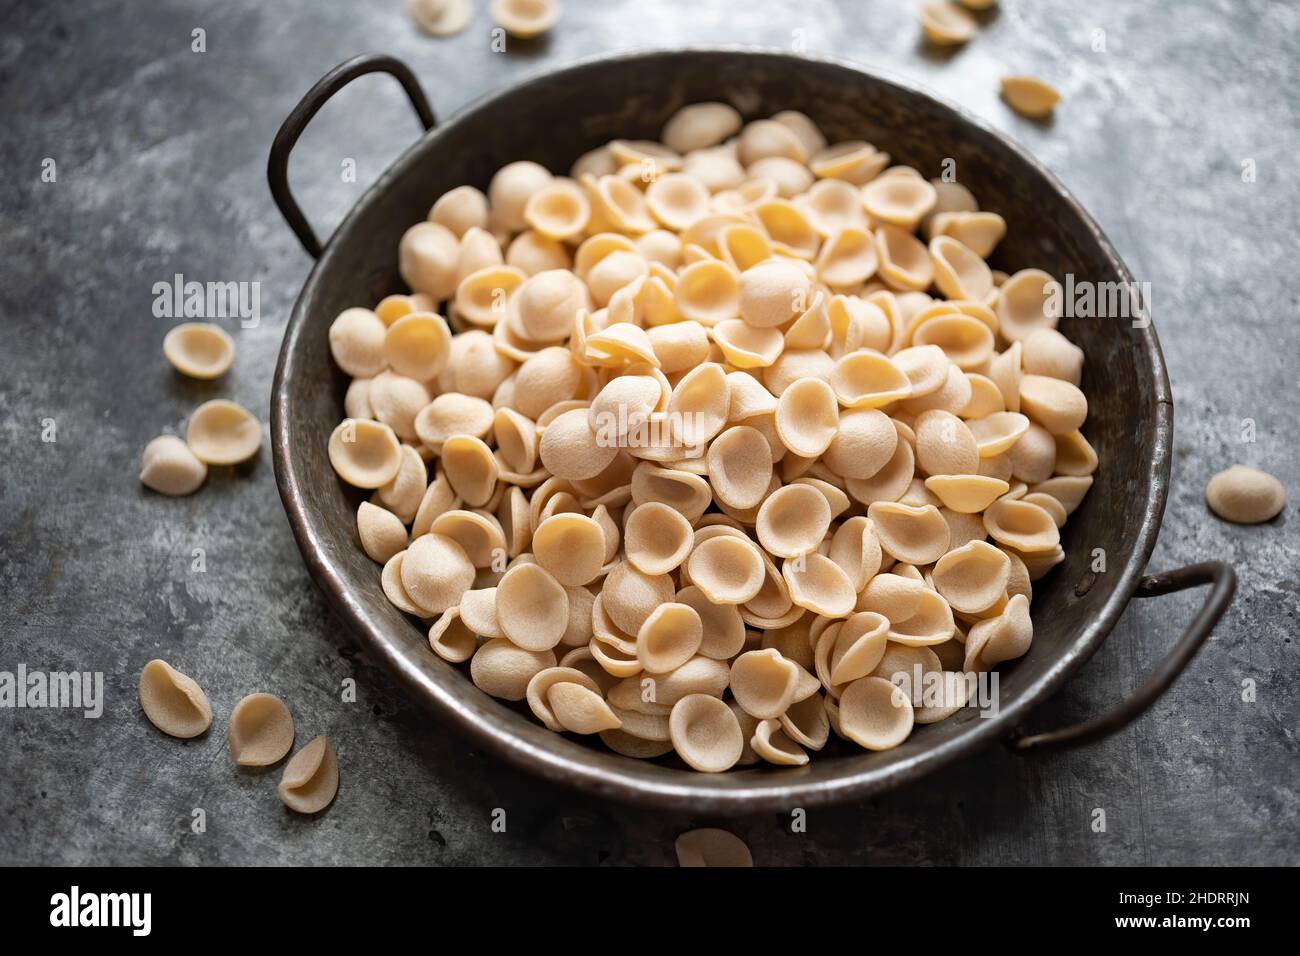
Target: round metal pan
554,117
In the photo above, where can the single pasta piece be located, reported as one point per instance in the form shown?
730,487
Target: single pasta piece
199,349
311,778
710,847
1245,495
173,702
440,18
169,467
1029,96
223,433
259,731
705,733
946,24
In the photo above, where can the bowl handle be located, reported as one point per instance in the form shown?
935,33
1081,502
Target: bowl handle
277,167
1223,583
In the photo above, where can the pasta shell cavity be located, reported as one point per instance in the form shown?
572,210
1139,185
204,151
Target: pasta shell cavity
793,521
670,637
867,379
972,578
657,538
916,535
705,733
1021,525
738,411
365,453
173,702
571,547
728,569
875,713
807,417
223,433
200,349
311,778
260,731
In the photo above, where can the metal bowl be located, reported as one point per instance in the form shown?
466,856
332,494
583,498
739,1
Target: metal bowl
551,119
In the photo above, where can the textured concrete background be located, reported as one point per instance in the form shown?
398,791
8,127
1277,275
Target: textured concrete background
160,155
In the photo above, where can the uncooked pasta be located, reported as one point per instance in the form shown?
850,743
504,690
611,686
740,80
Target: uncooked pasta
704,449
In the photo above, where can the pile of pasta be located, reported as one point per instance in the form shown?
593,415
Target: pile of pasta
712,452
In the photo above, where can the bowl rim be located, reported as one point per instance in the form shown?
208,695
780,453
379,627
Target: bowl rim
702,793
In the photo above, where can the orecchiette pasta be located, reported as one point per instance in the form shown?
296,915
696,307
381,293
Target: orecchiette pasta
707,448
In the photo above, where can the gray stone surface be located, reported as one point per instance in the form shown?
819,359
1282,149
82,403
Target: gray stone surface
160,156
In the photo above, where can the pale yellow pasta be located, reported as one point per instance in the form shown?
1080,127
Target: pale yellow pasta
724,630
657,538
790,177
532,253
173,702
764,683
945,445
700,125
867,379
819,584
571,449
311,778
847,259
382,534
483,295
511,188
728,569
972,578
396,400
200,349
169,467
1245,495
221,432
946,24
740,466
460,210
917,535
793,521
429,260
732,424
435,571
807,417
1029,96
479,534
440,18
670,636
765,137
904,261
705,733
771,742
853,161
1000,638
966,494
710,847
1053,403
403,494
1021,525
790,230
863,446
571,547
503,669
708,291
980,232
259,731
